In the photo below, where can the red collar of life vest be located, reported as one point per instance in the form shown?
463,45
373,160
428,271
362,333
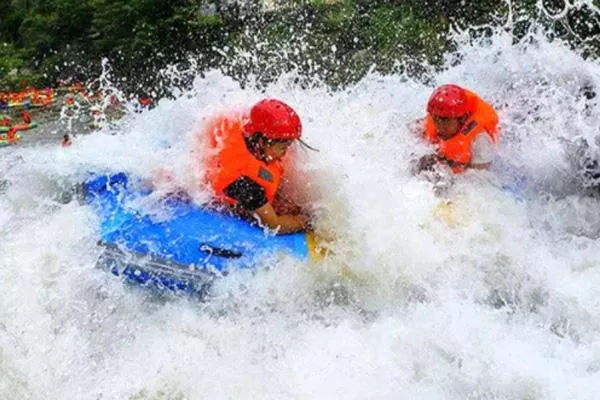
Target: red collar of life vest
229,159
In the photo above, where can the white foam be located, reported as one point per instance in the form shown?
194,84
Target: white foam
503,305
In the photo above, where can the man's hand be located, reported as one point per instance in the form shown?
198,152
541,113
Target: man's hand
266,215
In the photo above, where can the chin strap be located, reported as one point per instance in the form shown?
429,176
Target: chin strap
304,144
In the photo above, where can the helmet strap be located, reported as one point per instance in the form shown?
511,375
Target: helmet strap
306,145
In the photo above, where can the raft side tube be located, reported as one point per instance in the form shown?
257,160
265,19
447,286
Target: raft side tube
159,273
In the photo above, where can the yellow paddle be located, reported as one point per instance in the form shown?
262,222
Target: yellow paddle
318,251
446,212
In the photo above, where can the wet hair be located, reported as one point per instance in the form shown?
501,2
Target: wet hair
258,141
462,119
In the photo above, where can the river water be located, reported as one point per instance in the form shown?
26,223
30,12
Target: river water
503,303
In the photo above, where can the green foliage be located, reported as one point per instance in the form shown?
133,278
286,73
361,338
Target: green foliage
73,18
337,41
12,68
9,59
39,33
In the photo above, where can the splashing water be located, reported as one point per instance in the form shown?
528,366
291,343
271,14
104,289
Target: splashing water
503,304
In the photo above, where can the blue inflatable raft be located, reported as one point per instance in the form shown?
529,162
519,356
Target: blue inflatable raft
184,247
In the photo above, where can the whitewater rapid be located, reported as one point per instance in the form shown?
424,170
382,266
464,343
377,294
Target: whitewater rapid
504,304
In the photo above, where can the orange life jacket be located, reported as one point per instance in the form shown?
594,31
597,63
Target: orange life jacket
229,159
457,150
26,117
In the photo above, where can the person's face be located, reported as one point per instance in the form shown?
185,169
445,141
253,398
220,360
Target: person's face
447,128
276,150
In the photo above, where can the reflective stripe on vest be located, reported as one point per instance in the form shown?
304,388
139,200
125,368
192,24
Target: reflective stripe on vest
230,159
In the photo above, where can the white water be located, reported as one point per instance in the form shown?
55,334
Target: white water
505,305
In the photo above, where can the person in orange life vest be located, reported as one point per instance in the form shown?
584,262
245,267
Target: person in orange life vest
245,167
145,101
11,134
66,141
462,126
26,117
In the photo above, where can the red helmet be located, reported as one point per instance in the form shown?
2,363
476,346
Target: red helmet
274,119
448,101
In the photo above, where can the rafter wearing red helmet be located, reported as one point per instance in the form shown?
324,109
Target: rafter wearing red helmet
462,126
245,168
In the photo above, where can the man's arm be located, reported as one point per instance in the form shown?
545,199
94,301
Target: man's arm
251,197
482,151
266,215
283,204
